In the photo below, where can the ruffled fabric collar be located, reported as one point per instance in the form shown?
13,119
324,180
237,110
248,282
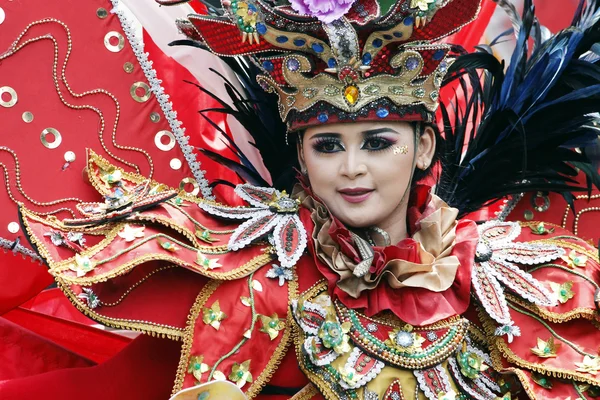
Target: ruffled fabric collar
422,279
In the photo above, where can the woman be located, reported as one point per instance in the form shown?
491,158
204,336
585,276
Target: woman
376,285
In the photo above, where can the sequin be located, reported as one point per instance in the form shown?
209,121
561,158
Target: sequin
323,117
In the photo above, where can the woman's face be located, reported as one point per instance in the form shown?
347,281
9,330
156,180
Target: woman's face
362,171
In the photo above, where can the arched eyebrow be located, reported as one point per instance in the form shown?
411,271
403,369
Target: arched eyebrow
326,135
372,132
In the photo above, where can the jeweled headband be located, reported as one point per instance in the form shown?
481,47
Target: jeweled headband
340,60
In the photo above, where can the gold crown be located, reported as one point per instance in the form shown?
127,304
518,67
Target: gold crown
362,65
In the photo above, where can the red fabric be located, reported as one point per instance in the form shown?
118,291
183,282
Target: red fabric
53,302
415,306
92,343
24,353
144,370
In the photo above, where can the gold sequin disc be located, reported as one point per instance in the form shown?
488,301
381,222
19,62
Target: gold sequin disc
115,48
13,96
191,181
27,116
57,138
128,67
158,141
175,163
101,13
13,227
528,215
70,156
144,86
154,117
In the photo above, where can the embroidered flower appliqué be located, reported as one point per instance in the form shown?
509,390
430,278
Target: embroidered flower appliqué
272,212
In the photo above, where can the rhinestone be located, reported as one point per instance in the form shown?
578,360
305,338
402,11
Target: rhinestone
299,42
434,95
528,215
372,90
382,112
412,63
432,336
154,117
443,66
331,63
367,58
371,327
261,28
317,47
331,90
128,67
438,55
388,37
351,94
268,65
420,92
398,90
398,34
282,39
323,117
408,21
309,93
293,64
404,339
377,43
101,13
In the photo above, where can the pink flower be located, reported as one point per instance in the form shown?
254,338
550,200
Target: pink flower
325,11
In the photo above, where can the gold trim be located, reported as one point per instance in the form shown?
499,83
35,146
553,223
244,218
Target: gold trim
499,350
306,393
286,339
580,312
524,382
188,332
240,272
146,327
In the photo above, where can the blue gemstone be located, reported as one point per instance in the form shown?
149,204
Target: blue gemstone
317,47
281,39
377,43
408,21
331,63
299,42
293,64
367,58
412,63
438,55
323,117
398,34
388,37
268,65
252,7
382,112
261,28
443,66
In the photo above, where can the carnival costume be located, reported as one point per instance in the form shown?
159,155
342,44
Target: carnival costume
457,310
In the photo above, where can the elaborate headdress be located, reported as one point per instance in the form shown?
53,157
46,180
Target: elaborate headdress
339,61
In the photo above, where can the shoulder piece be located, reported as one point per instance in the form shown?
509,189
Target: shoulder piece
536,287
271,212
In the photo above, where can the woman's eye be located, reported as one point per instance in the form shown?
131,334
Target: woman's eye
376,144
328,147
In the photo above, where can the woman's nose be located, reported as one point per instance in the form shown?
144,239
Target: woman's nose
353,165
